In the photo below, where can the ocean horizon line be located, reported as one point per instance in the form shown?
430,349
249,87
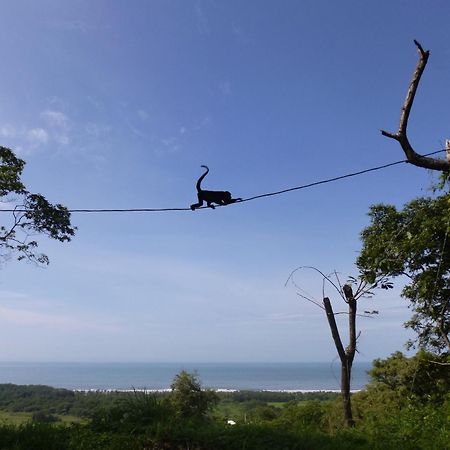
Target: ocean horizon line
180,362
273,376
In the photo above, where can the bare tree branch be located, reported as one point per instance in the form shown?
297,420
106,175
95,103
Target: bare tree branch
439,363
401,135
324,278
334,329
311,300
358,315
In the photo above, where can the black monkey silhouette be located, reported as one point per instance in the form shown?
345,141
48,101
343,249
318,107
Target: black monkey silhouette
210,197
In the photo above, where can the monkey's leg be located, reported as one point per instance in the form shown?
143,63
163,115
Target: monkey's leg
197,205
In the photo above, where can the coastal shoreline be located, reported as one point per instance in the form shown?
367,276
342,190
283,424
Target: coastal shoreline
219,390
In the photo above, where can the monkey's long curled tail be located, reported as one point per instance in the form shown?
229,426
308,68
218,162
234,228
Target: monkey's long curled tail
199,182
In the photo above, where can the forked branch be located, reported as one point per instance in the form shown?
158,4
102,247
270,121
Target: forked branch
401,135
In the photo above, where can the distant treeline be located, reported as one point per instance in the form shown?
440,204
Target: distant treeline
271,396
34,398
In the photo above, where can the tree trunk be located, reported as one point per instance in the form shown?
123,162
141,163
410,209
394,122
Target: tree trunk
346,370
345,355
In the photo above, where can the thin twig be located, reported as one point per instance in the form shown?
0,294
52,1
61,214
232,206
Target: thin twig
310,300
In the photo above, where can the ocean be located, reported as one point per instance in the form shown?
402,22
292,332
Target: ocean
157,376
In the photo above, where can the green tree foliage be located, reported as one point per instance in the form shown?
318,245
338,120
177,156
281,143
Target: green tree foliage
407,402
269,396
308,415
32,214
35,398
424,377
188,399
131,413
414,241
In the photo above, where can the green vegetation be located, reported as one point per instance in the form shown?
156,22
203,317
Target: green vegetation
62,402
405,406
11,418
33,214
412,242
188,400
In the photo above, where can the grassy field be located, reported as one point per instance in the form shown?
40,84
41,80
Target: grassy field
11,418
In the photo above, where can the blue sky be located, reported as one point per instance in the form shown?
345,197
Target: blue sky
117,104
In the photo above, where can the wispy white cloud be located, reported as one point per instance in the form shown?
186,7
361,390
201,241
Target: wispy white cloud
136,131
56,119
171,144
55,131
59,124
62,139
143,115
97,130
161,140
203,123
23,139
7,131
202,19
37,136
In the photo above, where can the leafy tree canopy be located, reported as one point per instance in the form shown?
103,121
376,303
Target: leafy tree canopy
424,376
415,242
32,214
187,397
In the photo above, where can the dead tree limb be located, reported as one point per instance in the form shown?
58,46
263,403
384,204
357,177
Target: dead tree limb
350,297
401,135
345,355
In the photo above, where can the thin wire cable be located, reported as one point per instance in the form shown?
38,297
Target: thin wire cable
269,194
330,180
